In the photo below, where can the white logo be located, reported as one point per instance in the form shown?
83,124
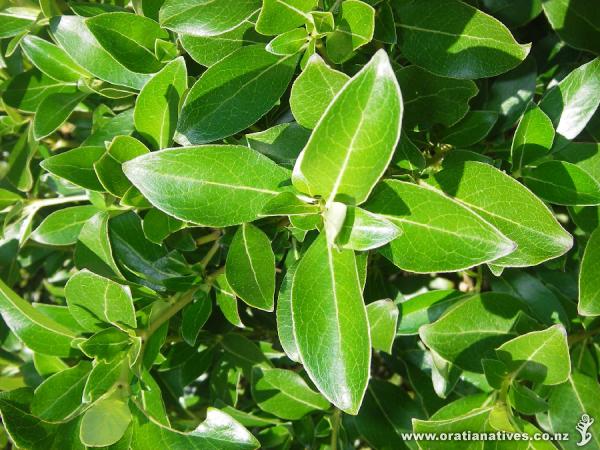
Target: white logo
583,426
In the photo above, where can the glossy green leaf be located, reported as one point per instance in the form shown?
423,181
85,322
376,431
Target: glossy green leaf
533,138
75,38
52,60
576,22
355,27
510,207
470,130
572,103
62,227
363,230
38,332
279,16
250,267
285,394
408,156
539,356
59,397
424,309
589,277
158,226
289,43
105,422
514,13
129,38
383,320
568,403
106,344
76,166
206,18
215,196
53,111
194,317
337,358
281,143
218,431
563,183
475,327
207,50
289,204
27,90
313,90
428,244
223,100
285,326
430,99
471,45
157,106
103,377
93,250
358,151
96,301
108,168
15,20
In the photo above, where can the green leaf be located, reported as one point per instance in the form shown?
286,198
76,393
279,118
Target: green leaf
510,207
52,60
8,198
93,250
355,27
514,13
285,326
533,138
589,277
474,328
471,45
568,403
313,90
76,166
279,16
285,394
103,378
207,50
563,183
281,143
58,398
383,320
380,420
360,144
424,309
53,111
206,18
288,204
105,422
289,43
363,230
96,301
75,38
108,168
38,332
337,358
572,103
215,196
195,316
576,22
539,356
15,20
430,99
470,130
129,38
223,100
408,156
250,267
438,233
525,400
227,302
585,155
219,430
157,106
158,226
28,89
106,344
62,227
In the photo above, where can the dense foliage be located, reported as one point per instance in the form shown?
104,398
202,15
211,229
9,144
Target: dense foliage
298,223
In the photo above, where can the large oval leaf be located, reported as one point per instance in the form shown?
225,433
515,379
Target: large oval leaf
213,185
